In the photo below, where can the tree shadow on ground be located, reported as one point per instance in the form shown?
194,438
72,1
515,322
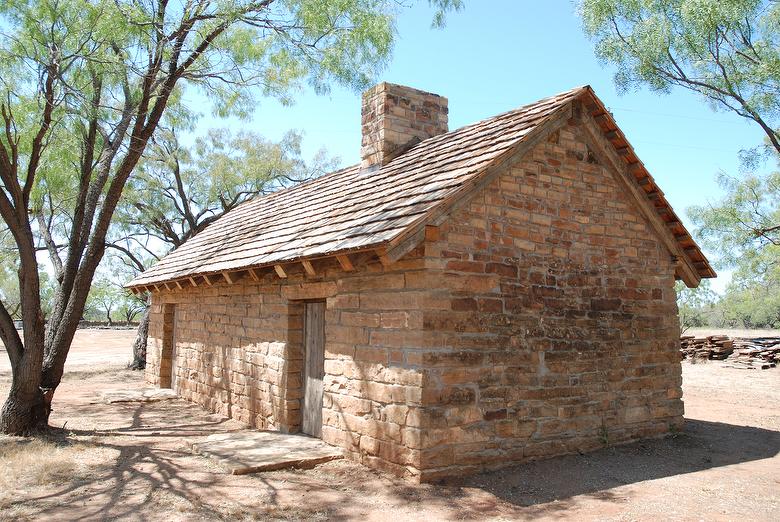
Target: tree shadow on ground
153,468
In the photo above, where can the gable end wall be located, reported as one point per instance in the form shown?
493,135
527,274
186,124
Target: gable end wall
553,327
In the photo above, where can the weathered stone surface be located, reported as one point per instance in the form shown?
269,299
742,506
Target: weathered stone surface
243,452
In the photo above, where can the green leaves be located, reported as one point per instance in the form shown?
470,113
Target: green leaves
744,222
179,190
725,50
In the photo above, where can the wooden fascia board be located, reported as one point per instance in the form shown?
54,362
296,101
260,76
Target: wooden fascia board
688,272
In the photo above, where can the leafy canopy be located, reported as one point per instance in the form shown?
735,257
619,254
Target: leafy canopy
726,50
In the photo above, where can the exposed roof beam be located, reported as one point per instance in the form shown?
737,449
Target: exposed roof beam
253,274
192,280
227,277
383,257
307,266
345,263
280,271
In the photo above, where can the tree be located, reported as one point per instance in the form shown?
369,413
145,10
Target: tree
743,228
694,304
84,85
726,51
745,222
104,298
179,191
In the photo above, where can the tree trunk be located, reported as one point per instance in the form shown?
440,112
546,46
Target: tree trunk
24,412
139,346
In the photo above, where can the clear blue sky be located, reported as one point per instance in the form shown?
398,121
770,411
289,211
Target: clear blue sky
500,54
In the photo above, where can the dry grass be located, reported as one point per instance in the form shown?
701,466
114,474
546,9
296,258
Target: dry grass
29,464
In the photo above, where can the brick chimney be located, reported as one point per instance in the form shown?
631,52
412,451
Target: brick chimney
394,118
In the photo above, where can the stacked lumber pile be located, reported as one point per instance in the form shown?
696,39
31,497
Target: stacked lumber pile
691,346
757,352
740,352
717,347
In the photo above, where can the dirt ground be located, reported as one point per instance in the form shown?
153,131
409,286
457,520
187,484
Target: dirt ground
92,347
132,461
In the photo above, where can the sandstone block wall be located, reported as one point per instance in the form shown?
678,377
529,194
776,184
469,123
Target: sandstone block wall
554,323
239,353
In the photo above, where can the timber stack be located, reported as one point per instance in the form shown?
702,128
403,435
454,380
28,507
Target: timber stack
758,352
740,352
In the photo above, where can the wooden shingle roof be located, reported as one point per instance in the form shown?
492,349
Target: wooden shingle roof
354,210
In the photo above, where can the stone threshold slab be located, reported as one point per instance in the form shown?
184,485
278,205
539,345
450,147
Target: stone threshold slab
243,452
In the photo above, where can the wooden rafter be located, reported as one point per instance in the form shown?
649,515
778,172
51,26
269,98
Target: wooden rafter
345,263
308,267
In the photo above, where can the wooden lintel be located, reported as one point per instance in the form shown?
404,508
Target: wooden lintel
206,278
280,271
227,277
253,274
307,266
192,281
345,263
178,284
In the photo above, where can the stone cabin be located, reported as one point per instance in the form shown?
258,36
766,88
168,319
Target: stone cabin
458,301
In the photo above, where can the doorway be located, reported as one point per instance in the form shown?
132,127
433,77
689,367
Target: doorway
174,350
314,366
168,351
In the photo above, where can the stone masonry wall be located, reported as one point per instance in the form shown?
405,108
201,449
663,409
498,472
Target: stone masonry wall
552,324
239,353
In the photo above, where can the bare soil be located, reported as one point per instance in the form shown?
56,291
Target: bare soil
133,461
